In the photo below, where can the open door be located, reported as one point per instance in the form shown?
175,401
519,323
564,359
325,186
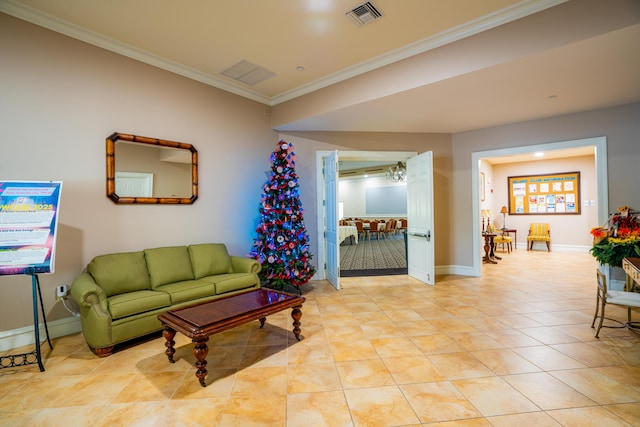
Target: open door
420,236
331,219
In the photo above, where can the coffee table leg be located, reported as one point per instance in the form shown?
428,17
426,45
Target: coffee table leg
296,314
262,320
200,351
168,335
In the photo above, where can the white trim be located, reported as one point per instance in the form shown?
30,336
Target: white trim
508,14
600,154
25,335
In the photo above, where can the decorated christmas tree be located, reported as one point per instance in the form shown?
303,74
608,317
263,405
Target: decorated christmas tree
282,245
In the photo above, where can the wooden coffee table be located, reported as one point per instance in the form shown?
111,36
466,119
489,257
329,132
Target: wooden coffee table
200,321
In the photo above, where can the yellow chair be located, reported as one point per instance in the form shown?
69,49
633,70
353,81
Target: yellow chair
539,232
504,240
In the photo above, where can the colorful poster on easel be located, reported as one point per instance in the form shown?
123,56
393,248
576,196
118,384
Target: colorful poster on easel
29,213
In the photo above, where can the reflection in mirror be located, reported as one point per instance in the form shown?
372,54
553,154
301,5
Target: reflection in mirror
150,170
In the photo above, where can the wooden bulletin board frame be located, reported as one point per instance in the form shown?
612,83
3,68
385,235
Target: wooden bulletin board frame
550,194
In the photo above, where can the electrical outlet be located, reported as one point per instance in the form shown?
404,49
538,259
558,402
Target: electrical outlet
61,291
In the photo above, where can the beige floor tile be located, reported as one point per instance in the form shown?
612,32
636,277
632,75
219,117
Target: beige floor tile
459,366
591,354
264,356
379,406
537,419
548,335
597,386
494,396
630,412
320,409
414,328
547,358
381,329
196,412
476,340
150,386
395,347
435,344
504,361
353,350
438,401
261,410
364,373
452,325
547,391
309,352
313,377
512,338
415,369
270,381
219,383
95,389
39,393
59,417
129,414
592,416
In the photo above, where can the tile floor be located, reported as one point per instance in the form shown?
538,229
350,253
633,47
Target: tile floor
513,347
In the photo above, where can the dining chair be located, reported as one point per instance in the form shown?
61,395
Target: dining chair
539,232
360,230
621,298
374,229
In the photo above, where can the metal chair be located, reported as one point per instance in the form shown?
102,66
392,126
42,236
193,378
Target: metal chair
621,298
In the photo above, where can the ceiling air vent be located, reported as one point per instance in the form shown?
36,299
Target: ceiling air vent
364,14
248,73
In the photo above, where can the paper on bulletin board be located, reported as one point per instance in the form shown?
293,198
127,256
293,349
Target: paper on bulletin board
29,213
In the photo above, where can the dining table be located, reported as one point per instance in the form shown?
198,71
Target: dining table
345,231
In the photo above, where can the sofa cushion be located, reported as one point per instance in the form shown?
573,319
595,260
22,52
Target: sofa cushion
119,273
136,302
209,258
232,282
188,290
168,265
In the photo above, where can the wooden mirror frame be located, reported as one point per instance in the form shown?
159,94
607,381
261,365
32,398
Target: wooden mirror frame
111,170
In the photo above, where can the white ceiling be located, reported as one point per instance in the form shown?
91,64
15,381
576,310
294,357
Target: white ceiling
200,39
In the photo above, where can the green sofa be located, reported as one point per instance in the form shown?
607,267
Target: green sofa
120,295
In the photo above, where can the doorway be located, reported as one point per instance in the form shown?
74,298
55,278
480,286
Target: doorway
600,154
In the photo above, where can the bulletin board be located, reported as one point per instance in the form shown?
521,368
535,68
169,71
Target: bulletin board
551,194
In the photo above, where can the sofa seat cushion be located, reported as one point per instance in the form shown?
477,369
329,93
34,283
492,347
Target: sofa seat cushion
188,290
119,273
136,302
208,259
232,282
168,265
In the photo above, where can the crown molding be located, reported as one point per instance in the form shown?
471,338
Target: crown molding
487,22
52,23
517,11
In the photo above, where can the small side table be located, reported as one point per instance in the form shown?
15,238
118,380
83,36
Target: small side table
515,235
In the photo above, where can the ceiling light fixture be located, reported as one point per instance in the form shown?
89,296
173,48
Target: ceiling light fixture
397,173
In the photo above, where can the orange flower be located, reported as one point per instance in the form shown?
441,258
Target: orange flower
598,232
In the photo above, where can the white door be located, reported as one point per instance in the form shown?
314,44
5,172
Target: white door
331,218
420,242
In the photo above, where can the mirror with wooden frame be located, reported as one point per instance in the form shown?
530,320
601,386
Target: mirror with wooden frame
150,170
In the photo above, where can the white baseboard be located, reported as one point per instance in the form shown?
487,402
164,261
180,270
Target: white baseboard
26,336
460,270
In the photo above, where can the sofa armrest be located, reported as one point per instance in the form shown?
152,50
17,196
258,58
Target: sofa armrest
87,293
244,265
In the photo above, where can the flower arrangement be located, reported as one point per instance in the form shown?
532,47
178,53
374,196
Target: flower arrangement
620,239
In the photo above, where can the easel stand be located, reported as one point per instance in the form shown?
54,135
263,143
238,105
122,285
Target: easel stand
28,358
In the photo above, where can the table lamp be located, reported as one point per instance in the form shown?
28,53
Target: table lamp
485,214
503,211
